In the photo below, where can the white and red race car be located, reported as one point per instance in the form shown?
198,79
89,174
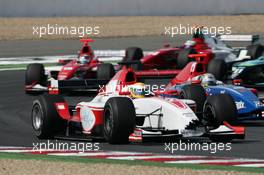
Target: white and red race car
125,110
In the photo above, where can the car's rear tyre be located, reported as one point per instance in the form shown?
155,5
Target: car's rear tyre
45,120
119,120
218,68
255,51
105,71
133,54
219,108
183,59
195,93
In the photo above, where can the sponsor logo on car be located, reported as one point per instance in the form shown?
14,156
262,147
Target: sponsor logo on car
240,105
67,68
222,92
87,118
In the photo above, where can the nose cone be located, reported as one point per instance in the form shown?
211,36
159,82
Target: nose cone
67,71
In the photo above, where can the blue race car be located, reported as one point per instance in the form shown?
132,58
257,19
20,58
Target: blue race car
249,106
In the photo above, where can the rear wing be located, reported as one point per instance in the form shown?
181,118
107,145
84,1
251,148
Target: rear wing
254,39
86,41
156,74
65,86
148,74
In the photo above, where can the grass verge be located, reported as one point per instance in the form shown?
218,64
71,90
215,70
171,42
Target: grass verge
126,162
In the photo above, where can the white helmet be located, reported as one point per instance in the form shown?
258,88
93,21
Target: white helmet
208,79
84,59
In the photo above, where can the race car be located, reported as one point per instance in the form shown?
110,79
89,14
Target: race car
162,62
85,66
248,105
249,73
127,110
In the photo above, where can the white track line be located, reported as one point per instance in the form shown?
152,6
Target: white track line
257,165
152,157
214,161
8,69
94,154
19,151
11,147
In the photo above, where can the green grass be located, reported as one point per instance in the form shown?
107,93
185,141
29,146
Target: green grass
75,159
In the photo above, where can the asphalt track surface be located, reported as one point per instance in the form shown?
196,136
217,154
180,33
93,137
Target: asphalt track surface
65,47
15,108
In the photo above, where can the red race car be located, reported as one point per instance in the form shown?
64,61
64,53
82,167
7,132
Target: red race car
168,61
85,66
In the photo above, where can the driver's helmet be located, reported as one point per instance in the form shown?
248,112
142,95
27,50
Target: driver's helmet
208,79
189,43
84,59
138,90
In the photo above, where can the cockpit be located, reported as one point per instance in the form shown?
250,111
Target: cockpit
206,79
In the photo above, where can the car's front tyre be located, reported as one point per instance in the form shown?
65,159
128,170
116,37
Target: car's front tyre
118,120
